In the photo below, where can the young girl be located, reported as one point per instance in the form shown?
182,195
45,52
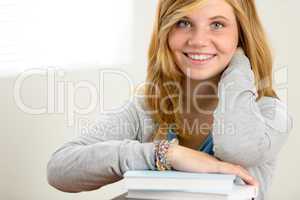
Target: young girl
208,104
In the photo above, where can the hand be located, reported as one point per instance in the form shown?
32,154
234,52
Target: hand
190,160
228,168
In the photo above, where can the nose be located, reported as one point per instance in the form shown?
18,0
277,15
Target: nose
199,38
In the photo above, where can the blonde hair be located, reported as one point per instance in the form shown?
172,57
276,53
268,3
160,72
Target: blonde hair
162,68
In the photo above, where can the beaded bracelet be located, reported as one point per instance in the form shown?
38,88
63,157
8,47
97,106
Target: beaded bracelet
161,149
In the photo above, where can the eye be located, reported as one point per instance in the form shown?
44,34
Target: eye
217,25
183,23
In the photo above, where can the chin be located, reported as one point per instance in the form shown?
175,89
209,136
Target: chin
201,75
199,78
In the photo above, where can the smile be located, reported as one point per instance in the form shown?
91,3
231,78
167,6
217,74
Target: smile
199,58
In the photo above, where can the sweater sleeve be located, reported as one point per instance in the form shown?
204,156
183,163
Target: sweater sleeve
109,149
248,132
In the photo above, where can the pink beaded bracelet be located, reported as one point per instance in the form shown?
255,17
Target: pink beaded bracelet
161,149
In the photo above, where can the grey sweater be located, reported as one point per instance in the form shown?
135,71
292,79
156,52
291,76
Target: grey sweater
246,132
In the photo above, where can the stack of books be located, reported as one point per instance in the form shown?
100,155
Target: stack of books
178,185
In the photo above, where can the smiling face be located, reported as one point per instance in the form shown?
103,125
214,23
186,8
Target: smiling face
204,41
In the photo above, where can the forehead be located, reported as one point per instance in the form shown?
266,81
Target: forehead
212,8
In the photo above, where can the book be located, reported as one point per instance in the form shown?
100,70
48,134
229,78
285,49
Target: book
179,181
169,185
239,192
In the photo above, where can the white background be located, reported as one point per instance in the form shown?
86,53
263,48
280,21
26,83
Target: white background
38,33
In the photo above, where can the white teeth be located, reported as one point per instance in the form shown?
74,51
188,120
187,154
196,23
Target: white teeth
200,57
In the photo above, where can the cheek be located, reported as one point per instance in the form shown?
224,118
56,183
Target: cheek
171,40
227,43
226,46
176,41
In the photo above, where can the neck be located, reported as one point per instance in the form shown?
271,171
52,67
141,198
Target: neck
200,96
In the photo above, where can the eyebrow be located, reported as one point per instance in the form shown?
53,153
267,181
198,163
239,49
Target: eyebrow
212,18
219,16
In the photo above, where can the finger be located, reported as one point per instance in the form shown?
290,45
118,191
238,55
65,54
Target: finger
245,175
228,168
252,182
244,171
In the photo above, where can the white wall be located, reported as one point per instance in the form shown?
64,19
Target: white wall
281,21
38,33
67,34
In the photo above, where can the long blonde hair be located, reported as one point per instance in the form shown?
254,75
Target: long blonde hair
162,68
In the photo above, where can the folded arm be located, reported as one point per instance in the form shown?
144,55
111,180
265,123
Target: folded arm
102,156
247,132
